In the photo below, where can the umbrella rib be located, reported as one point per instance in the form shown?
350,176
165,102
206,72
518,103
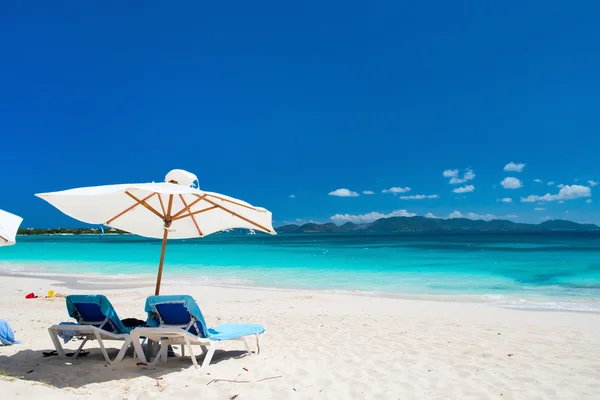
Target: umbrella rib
129,208
162,206
170,206
238,216
233,202
189,214
188,207
146,205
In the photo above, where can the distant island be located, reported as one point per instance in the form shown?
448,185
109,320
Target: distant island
383,225
68,231
422,224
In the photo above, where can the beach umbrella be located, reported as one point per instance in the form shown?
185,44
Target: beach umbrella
172,209
9,224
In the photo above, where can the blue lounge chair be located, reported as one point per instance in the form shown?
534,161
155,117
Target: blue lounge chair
178,320
96,319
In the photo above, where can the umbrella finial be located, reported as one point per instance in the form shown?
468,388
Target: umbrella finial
181,177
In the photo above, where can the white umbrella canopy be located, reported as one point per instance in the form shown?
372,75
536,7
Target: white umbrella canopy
172,209
9,224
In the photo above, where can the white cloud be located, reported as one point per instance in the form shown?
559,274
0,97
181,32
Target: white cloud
370,217
592,183
539,209
573,192
299,221
560,186
480,216
419,197
550,183
292,196
455,179
368,192
511,183
429,215
486,217
511,166
456,214
343,193
565,193
464,189
589,201
450,173
537,180
396,190
532,198
469,175
506,200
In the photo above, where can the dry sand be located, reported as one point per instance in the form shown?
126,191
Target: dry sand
319,346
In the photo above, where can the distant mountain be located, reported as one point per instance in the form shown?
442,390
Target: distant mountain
312,227
422,224
559,224
288,228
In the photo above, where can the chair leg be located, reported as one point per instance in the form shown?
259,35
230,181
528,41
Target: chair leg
157,357
139,351
259,339
191,350
56,341
123,350
209,355
81,346
99,338
245,340
164,350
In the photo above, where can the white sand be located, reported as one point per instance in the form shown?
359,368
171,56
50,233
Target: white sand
323,346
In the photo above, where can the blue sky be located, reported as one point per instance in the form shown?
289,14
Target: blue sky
267,100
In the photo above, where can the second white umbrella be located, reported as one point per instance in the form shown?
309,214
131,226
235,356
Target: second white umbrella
9,225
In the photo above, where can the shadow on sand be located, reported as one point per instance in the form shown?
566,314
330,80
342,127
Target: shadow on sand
31,365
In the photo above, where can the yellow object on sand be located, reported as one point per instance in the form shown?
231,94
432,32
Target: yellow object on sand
50,293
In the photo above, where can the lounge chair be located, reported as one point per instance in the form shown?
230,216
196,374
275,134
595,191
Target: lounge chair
96,319
178,320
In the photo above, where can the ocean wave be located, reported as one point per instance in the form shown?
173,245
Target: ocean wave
589,306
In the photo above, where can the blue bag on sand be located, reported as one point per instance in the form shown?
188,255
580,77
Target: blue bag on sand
7,336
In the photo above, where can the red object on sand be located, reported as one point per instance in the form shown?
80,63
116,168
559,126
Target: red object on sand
31,296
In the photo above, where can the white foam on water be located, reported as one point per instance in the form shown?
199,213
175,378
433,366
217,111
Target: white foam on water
539,304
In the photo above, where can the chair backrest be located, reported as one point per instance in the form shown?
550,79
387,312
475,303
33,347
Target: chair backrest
181,311
95,310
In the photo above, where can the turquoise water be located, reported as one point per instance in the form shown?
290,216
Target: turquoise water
550,270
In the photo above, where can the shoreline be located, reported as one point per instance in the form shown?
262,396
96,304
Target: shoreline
104,282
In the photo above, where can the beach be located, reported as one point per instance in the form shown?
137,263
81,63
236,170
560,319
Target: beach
317,346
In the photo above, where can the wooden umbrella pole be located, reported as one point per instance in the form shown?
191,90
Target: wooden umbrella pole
162,261
167,220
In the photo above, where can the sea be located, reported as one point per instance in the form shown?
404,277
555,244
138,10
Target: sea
539,271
